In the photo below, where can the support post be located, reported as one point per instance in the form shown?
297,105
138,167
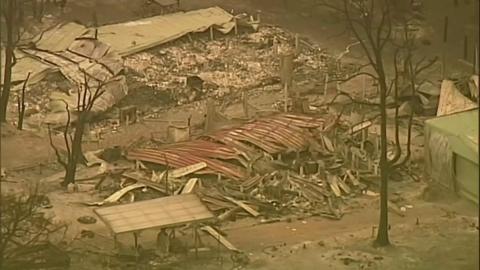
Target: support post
445,30
475,60
363,140
364,87
445,38
325,86
115,241
245,103
135,238
195,232
275,46
297,44
211,33
236,25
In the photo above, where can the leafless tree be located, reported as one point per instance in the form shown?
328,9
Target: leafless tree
23,224
21,104
13,18
12,11
86,98
371,22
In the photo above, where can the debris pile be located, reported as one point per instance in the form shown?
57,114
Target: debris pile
273,166
81,62
228,64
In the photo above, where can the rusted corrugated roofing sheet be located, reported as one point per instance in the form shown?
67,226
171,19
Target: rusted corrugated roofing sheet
178,159
279,133
157,213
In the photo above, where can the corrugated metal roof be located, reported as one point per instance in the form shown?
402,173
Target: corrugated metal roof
157,213
452,101
104,68
275,134
24,65
60,37
135,36
177,159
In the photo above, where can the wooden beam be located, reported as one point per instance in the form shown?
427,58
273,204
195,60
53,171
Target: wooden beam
245,207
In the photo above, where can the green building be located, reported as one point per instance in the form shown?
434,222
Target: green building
451,152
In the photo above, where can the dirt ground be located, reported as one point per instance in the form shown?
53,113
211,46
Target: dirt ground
438,232
446,236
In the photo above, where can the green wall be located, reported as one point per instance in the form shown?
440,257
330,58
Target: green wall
467,178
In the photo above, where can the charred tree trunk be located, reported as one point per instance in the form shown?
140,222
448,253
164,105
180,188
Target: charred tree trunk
34,9
76,154
41,10
382,235
9,57
21,103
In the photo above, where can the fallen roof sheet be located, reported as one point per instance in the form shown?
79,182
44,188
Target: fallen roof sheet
135,36
24,65
92,57
60,37
452,101
164,212
275,134
178,159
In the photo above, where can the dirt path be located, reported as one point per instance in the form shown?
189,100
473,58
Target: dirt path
438,240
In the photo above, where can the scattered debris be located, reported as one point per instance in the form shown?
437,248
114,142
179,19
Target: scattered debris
244,206
190,185
87,220
117,195
219,238
452,101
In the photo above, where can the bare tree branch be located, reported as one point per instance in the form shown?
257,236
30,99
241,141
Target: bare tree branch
354,76
355,101
398,149
57,153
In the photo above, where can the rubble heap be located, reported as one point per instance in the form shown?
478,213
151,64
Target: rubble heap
227,64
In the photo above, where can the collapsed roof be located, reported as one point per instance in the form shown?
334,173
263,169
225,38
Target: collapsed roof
273,135
136,36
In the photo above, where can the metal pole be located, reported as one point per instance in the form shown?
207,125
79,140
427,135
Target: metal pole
236,25
325,86
445,30
195,232
297,43
475,60
445,38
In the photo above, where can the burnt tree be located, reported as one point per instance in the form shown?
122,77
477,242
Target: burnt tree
371,22
86,98
23,226
21,104
12,16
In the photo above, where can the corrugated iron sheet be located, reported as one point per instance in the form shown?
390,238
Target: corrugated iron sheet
59,38
24,65
76,59
136,36
157,213
276,134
